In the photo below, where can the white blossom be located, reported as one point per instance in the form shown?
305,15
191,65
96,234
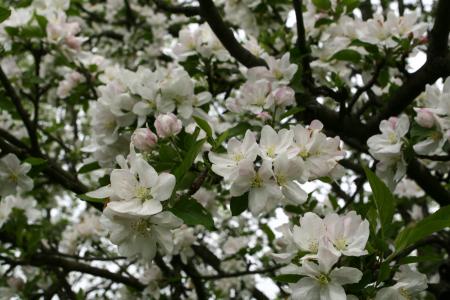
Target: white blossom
13,175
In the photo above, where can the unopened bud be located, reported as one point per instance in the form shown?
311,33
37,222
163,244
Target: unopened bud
144,139
284,96
424,118
167,125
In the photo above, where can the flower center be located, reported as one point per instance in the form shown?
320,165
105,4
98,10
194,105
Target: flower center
322,279
392,137
257,182
436,136
281,179
141,226
143,193
13,177
271,151
303,153
341,244
405,294
313,246
238,157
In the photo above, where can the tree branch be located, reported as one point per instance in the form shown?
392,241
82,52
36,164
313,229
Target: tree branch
209,12
188,11
21,110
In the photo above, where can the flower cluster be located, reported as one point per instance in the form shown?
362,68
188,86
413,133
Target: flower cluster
134,215
315,247
434,118
387,149
266,89
287,158
130,96
199,39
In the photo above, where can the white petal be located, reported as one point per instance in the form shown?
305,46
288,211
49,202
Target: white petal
306,288
327,256
257,200
332,291
123,183
345,275
147,175
101,193
293,192
164,187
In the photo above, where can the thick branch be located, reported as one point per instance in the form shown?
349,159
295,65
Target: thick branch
439,34
210,13
188,11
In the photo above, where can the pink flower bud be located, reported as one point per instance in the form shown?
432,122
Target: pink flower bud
144,139
424,118
74,42
264,115
284,96
167,125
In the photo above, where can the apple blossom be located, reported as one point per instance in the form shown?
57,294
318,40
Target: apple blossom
144,139
140,196
311,230
348,233
287,173
167,125
227,165
409,284
263,190
13,175
321,280
273,144
140,236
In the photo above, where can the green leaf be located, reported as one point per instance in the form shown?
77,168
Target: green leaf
188,160
268,231
347,55
32,32
369,47
204,125
323,21
239,204
4,13
292,111
193,213
89,167
288,278
35,161
86,198
384,272
427,226
322,4
239,129
42,21
383,198
419,259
